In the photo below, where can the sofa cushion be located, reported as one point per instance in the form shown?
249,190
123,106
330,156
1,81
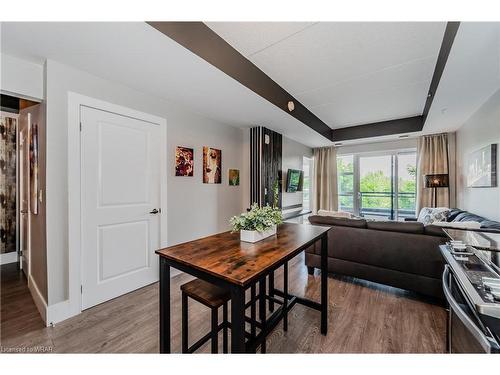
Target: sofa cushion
467,216
490,224
457,215
397,226
454,212
343,222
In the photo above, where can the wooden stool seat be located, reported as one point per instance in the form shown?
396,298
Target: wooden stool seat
205,293
213,297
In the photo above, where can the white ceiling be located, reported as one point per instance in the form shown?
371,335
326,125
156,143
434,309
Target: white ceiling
471,76
138,56
347,73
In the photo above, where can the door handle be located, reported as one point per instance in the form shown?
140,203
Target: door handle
154,211
24,211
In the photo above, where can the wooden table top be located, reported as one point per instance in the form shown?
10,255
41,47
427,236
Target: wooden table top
223,255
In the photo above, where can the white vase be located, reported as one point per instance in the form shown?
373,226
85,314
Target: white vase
255,236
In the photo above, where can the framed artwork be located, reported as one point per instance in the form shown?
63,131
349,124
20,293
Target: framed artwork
234,177
482,167
8,175
34,168
184,161
212,163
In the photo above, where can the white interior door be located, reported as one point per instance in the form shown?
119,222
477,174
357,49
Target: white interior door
120,180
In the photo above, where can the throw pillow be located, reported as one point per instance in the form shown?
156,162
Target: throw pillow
429,215
344,214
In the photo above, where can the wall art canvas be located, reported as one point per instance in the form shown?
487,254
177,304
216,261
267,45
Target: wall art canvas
34,168
234,177
212,165
8,129
184,161
482,167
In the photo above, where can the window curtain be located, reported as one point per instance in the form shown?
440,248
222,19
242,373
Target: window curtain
432,158
325,194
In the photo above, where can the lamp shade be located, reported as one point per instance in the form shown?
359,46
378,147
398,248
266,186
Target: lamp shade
436,180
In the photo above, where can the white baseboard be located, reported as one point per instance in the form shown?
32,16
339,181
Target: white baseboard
40,303
7,258
60,311
63,310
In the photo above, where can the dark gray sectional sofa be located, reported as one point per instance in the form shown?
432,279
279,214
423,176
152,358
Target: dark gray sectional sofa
401,254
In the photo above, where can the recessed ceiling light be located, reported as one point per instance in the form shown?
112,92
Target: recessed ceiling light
291,105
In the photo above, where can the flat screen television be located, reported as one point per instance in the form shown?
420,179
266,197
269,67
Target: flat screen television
293,180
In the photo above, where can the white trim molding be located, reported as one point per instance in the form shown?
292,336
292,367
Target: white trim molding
10,257
40,303
73,305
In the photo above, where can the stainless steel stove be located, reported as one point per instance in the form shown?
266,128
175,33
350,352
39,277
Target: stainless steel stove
471,284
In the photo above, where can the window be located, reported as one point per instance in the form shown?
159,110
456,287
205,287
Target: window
407,184
306,183
380,185
345,180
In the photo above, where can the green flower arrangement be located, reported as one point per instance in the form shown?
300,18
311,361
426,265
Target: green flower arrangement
258,218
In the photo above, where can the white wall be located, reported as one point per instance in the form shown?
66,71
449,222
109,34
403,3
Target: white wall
292,154
21,77
193,209
482,129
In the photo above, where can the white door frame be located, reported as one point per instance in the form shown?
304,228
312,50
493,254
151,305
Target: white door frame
21,157
75,102
13,256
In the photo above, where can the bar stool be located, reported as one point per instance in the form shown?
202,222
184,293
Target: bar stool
210,296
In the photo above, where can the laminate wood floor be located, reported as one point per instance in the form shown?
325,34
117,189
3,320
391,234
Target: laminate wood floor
364,317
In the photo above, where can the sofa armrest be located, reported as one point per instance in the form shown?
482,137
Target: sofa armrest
410,219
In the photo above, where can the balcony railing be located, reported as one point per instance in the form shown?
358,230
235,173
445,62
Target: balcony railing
382,204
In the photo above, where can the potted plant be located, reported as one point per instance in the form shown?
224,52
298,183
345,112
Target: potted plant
258,223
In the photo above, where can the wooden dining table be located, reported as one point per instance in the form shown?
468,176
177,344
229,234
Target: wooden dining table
225,261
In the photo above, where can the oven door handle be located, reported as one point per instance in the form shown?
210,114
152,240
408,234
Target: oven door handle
485,342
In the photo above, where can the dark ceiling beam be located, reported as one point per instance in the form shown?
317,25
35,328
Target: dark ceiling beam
204,42
448,39
378,129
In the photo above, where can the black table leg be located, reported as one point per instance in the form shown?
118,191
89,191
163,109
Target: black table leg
237,319
215,331
262,311
285,297
324,284
185,325
164,306
225,329
271,291
253,315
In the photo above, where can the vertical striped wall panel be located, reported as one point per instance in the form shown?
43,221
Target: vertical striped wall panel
265,165
255,159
